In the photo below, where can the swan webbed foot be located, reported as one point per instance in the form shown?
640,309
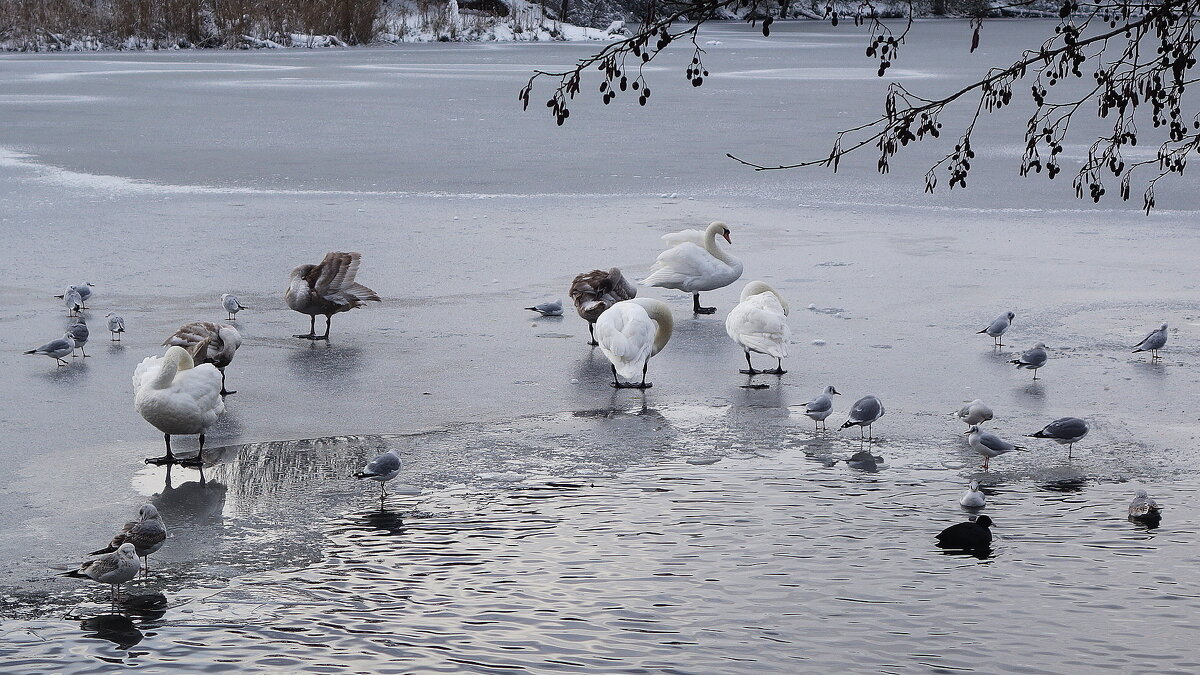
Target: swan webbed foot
193,462
775,371
752,371
160,461
593,343
632,385
310,336
705,310
228,393
756,386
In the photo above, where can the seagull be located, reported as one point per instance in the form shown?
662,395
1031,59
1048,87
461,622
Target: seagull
988,445
864,413
382,469
998,328
969,535
1065,431
147,535
209,342
116,326
1152,342
84,291
973,498
232,305
821,407
80,333
73,302
327,288
548,308
1032,359
1144,508
975,412
111,568
57,349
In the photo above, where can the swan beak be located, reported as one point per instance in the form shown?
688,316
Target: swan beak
726,235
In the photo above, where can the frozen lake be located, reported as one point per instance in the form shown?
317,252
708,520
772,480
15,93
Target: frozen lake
695,527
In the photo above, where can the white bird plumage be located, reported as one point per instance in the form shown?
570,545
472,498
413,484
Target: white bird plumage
998,327
1153,342
208,342
821,407
177,397
973,498
629,333
1143,507
382,469
988,445
759,324
116,326
57,349
232,306
147,535
694,262
113,568
975,412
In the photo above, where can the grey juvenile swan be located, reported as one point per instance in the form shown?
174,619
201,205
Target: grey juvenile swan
327,288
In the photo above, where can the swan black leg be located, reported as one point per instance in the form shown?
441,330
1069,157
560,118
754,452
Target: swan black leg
777,370
749,366
223,391
198,460
698,309
328,319
167,459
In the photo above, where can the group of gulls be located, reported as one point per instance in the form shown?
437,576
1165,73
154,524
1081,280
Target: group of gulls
182,392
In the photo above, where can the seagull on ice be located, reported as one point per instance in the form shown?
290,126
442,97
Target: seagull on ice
973,498
72,301
974,413
997,328
57,349
864,413
147,534
1065,431
548,308
988,445
232,306
1152,342
821,407
79,332
84,291
382,469
1032,359
116,326
111,568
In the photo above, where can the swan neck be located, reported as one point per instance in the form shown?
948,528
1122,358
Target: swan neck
166,373
714,249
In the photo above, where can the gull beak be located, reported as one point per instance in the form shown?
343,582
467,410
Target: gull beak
726,235
836,392
967,432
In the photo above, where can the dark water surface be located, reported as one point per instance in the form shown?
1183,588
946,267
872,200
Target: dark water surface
547,522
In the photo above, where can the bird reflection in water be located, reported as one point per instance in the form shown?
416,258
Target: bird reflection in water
116,628
197,500
863,460
380,521
985,553
1074,484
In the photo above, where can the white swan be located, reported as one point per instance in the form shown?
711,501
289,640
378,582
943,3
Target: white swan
629,333
177,397
695,262
759,324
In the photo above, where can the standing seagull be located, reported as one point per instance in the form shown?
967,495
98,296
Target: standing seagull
1152,342
595,291
821,407
232,306
996,329
382,469
72,301
548,308
1032,359
973,498
116,326
629,333
80,333
147,535
84,291
57,349
1065,431
975,412
209,342
1144,508
177,397
695,262
988,445
327,288
111,568
864,413
759,324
